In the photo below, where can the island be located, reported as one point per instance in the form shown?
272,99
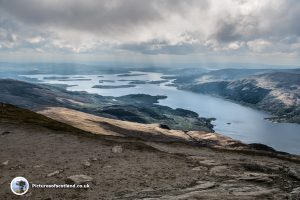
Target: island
128,74
112,86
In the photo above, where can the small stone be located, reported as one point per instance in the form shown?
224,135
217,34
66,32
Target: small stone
37,166
199,168
209,163
79,179
117,149
94,159
5,163
54,173
87,164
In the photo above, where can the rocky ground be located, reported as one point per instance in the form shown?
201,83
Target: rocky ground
120,167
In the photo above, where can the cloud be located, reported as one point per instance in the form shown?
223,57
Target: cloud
35,39
259,45
178,27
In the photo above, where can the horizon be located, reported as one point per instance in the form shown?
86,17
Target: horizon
209,66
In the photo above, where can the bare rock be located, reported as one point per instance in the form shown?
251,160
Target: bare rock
255,167
255,193
199,168
294,174
79,179
295,194
117,149
218,170
94,159
256,177
87,164
296,191
209,163
54,173
4,163
38,166
201,185
222,171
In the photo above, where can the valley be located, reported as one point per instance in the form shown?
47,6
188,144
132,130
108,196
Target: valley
232,112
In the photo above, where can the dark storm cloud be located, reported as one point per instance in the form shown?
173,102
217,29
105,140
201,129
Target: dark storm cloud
90,15
160,47
151,26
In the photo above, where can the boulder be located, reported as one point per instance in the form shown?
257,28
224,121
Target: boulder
79,179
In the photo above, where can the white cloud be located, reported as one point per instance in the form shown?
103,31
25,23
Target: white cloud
235,45
151,27
35,39
259,45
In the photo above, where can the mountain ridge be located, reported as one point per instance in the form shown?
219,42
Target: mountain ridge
275,92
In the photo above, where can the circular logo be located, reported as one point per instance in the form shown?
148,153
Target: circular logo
19,185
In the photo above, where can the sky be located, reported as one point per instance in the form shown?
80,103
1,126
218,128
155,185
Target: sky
153,31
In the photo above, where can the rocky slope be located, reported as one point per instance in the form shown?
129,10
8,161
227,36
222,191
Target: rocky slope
277,92
119,165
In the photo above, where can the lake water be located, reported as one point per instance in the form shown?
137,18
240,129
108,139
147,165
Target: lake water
234,120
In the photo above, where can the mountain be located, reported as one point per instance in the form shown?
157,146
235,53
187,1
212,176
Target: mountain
276,92
136,108
126,160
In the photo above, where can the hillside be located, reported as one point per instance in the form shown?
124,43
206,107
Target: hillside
136,108
134,166
277,92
